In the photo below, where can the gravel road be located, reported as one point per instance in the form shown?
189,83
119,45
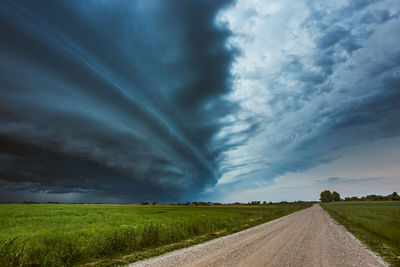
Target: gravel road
308,237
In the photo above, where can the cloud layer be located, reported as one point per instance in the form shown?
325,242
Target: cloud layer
113,101
312,78
112,98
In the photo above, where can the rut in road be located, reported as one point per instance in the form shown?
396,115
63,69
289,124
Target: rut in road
308,237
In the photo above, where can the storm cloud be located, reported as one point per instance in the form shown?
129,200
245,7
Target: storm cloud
114,98
124,101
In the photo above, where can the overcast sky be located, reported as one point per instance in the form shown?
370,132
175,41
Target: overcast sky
124,101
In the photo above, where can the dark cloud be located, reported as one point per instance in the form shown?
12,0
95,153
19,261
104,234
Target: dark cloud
112,98
130,101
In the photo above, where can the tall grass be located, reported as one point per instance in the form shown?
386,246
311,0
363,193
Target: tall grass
377,224
60,235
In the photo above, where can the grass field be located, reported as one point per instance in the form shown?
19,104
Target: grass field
71,234
376,224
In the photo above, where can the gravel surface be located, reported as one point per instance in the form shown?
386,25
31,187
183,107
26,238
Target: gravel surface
308,237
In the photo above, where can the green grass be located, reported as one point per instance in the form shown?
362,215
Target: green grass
375,223
72,234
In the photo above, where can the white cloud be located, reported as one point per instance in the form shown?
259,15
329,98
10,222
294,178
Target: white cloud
370,168
313,77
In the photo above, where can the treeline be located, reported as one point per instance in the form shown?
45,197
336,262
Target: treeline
392,197
252,203
186,204
328,196
195,203
200,203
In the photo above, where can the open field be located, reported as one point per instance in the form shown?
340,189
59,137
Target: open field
308,237
70,234
375,223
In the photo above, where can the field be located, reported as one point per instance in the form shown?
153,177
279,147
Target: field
376,224
72,234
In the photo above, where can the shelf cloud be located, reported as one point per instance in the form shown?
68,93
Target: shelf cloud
117,98
121,101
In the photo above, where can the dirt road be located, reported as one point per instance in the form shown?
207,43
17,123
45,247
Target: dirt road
306,238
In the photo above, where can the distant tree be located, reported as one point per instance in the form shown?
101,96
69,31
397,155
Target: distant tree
335,196
154,203
393,196
144,203
354,198
326,196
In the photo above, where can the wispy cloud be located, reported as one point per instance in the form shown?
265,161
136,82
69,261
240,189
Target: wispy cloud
317,76
340,180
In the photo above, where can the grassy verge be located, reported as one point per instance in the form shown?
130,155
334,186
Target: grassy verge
376,224
65,235
152,252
